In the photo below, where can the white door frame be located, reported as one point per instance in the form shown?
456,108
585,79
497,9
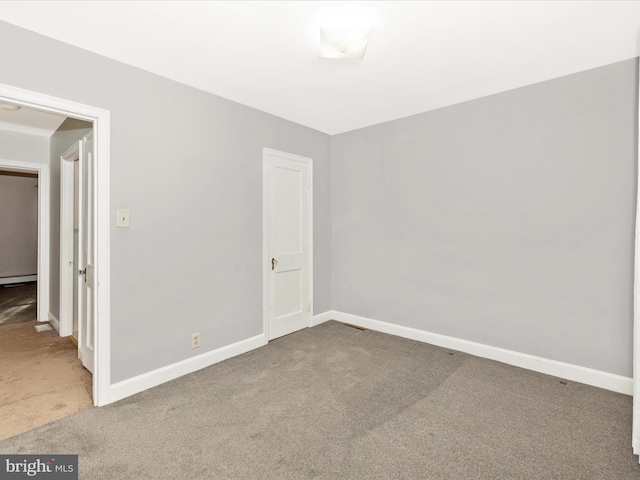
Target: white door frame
42,170
266,259
67,271
101,128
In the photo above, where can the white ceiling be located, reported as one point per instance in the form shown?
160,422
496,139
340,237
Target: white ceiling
31,121
421,55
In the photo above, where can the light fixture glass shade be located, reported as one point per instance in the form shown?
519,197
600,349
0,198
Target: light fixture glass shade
8,106
346,44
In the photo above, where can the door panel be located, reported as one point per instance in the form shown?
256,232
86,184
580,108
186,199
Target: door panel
86,253
288,212
288,293
288,215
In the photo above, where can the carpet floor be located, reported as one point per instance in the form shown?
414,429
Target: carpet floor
334,402
41,378
18,303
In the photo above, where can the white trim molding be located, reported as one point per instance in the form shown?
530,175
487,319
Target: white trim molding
635,429
67,270
143,382
18,279
575,373
322,317
55,323
101,121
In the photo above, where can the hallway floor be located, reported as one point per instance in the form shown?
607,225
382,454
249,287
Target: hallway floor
18,303
41,378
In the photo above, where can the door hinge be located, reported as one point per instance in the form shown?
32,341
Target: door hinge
309,307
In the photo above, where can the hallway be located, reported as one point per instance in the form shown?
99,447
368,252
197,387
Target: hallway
41,378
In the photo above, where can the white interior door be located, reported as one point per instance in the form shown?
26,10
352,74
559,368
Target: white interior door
289,227
69,190
86,254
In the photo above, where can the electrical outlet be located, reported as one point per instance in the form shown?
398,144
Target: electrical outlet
195,340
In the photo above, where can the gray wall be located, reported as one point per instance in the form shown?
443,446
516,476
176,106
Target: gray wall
25,148
69,132
18,225
507,220
189,166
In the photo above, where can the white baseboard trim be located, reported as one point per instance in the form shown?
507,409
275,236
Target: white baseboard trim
321,318
55,323
575,373
143,382
18,279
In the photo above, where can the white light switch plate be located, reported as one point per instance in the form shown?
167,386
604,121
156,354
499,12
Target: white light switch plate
123,218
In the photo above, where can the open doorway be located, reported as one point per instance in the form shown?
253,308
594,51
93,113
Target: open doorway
100,301
20,263
42,379
48,287
19,246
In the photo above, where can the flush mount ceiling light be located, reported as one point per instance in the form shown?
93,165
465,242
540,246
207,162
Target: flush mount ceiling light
8,106
343,44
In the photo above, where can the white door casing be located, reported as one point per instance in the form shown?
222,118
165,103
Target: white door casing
67,268
288,237
86,294
42,170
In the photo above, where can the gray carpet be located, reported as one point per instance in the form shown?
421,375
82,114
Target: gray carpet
335,402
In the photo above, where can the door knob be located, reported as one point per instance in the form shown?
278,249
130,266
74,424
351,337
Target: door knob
274,262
